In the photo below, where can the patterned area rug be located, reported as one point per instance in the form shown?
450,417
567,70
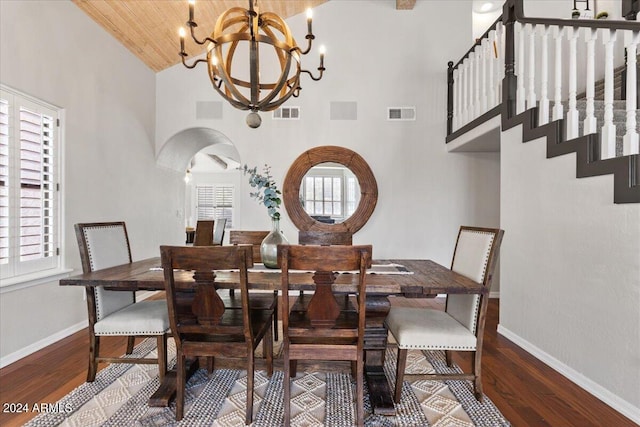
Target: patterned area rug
118,397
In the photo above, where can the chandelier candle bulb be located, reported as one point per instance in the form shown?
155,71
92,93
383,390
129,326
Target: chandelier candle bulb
182,33
309,20
192,4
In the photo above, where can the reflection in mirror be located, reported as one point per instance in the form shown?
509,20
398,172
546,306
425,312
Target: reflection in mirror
329,193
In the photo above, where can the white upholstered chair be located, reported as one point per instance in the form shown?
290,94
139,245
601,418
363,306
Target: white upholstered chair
218,231
116,313
461,325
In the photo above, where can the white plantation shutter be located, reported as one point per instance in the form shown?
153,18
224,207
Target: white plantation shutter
29,199
215,201
4,181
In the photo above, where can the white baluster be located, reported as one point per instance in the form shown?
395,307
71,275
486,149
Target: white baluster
531,95
590,121
484,57
572,114
465,92
499,61
630,139
543,117
456,98
477,70
608,134
520,92
558,111
491,94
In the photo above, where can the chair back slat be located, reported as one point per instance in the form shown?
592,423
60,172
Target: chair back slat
103,245
324,238
204,233
474,257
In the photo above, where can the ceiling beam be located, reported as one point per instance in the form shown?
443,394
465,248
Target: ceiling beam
405,4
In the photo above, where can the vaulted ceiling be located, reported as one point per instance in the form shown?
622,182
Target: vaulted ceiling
149,28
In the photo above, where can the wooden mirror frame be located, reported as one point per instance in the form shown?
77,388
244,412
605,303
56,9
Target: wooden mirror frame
329,153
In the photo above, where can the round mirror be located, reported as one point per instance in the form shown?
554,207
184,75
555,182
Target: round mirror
330,189
329,193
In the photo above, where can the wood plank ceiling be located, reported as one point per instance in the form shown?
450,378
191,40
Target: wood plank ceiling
149,28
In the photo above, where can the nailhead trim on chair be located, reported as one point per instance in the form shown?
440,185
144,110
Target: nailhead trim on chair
435,347
95,290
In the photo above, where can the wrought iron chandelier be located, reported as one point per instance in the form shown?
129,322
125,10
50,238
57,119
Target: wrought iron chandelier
242,80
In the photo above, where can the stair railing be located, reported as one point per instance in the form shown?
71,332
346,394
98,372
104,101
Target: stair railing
584,51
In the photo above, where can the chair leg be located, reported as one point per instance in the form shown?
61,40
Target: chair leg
400,366
286,385
477,382
210,360
267,349
360,391
293,364
250,379
275,317
354,369
94,351
130,344
180,386
162,356
448,357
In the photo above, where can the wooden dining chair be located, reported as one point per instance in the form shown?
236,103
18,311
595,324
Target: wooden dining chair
200,323
116,313
204,233
255,238
323,331
460,326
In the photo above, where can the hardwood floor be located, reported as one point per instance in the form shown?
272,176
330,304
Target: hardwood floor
526,391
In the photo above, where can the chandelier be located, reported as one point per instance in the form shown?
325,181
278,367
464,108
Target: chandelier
252,59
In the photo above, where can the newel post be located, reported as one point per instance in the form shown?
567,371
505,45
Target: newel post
450,98
510,81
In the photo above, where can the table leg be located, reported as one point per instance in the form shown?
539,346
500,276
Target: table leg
375,346
167,389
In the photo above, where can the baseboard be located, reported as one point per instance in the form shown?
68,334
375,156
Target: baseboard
32,348
39,345
617,403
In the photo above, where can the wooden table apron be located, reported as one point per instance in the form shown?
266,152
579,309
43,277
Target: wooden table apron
428,279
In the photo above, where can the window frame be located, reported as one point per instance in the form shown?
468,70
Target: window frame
215,207
32,272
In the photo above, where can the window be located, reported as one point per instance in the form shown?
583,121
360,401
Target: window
328,191
29,196
213,202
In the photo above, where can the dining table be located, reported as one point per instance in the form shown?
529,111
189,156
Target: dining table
412,278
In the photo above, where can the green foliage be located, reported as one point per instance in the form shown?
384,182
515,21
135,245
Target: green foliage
267,192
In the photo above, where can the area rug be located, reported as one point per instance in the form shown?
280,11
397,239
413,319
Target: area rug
118,397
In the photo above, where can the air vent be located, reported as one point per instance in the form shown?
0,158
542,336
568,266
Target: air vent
401,113
287,113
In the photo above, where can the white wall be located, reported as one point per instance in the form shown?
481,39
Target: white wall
55,52
378,57
570,289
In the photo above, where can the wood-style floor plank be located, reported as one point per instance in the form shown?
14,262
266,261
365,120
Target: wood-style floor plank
527,392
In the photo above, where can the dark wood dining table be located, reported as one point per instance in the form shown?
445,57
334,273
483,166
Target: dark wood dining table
426,279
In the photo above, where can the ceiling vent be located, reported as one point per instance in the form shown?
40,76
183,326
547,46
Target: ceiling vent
287,113
401,113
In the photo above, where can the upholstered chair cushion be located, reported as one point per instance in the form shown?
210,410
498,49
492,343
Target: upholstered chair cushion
470,260
419,328
107,247
141,318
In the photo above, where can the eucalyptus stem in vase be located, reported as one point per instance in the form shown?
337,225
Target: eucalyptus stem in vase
267,193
